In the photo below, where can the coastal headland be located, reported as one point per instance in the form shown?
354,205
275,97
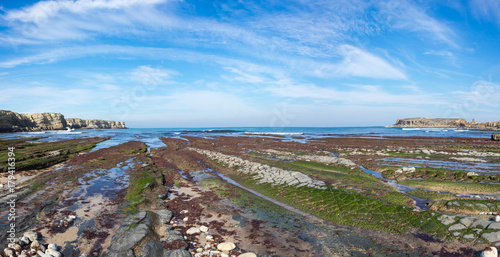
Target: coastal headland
253,195
447,123
16,122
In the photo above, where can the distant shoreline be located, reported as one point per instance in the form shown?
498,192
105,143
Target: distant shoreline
447,123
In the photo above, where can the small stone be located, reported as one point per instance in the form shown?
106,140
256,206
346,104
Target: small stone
53,252
224,255
204,229
71,218
497,218
185,219
247,255
8,251
184,211
162,196
35,244
52,246
17,247
199,250
490,252
226,246
193,230
209,237
40,253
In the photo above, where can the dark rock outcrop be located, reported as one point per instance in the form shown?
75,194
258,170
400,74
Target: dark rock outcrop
447,123
16,122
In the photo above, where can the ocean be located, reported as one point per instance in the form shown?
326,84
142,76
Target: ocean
151,136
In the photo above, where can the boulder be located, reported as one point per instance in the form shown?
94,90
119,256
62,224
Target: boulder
495,137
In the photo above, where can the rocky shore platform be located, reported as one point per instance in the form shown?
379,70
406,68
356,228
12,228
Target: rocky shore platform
252,196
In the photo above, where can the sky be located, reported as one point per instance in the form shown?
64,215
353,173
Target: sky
237,63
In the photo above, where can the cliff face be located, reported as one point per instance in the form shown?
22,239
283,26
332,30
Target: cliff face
15,122
448,123
94,124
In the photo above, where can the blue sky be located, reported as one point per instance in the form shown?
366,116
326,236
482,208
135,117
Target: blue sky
163,63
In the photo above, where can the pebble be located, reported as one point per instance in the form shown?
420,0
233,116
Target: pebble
17,247
184,211
53,252
193,230
35,244
497,218
490,252
185,219
204,229
226,246
8,251
247,255
71,218
52,246
209,237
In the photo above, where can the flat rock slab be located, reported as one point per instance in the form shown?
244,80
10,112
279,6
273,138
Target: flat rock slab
494,225
457,226
480,223
132,231
492,237
467,221
446,219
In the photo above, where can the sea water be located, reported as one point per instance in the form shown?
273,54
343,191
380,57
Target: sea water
151,136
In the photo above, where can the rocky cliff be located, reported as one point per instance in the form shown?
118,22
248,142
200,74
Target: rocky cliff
94,124
15,122
447,122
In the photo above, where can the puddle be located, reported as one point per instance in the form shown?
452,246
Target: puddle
419,202
104,182
476,166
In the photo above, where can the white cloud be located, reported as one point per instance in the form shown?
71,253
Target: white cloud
359,63
488,10
360,95
152,77
406,16
44,10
